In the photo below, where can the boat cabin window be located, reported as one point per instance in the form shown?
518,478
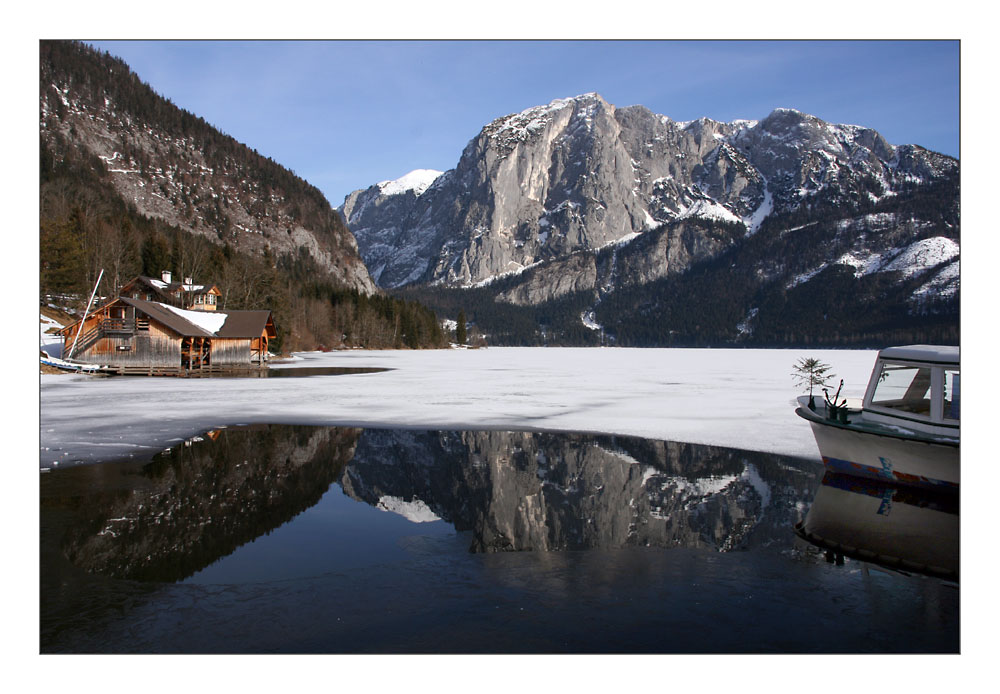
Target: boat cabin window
952,394
904,388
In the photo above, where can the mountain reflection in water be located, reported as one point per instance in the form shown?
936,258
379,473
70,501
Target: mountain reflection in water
195,502
200,501
536,491
331,539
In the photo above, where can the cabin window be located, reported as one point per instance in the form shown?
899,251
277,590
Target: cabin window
952,394
904,388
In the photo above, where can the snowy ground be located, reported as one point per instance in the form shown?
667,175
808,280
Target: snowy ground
736,398
47,342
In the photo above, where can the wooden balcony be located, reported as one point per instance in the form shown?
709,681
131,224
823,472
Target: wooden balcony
118,326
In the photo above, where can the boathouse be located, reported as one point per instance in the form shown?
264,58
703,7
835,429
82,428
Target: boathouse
136,336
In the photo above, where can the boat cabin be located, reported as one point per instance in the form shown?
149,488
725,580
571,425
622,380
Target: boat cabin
917,387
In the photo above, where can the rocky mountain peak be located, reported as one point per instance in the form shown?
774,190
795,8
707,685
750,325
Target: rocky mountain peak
505,133
579,196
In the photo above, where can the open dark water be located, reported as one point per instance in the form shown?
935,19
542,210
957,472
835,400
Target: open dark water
297,539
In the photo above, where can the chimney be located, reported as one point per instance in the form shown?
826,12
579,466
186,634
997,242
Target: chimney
166,276
188,281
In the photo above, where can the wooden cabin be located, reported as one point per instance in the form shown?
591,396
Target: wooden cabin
186,294
131,335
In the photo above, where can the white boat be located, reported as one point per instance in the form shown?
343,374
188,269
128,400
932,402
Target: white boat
906,430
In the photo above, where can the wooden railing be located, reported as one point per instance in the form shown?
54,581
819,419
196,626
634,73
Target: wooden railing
84,341
118,325
107,326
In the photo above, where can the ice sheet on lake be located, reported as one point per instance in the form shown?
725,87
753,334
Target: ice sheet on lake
741,398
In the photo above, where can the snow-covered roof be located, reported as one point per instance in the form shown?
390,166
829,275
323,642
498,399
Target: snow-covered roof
932,353
210,321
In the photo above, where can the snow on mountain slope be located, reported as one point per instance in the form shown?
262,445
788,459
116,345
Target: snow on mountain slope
417,181
909,260
943,284
923,255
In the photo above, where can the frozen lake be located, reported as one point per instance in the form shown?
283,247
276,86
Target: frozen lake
726,397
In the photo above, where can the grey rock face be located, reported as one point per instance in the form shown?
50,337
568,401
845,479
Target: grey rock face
579,175
575,273
655,254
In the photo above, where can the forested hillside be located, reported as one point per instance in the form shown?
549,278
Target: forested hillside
130,184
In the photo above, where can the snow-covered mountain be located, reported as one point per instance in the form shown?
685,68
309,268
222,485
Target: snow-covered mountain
580,196
416,181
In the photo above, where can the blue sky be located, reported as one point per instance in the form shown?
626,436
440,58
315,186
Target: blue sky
347,114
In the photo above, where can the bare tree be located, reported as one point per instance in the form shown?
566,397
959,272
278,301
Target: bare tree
116,251
241,283
190,258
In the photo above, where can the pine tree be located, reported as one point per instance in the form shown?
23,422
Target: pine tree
155,255
809,372
63,263
460,334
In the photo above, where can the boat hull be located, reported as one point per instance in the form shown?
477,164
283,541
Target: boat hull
887,458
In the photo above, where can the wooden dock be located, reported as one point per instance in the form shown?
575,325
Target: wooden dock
180,372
